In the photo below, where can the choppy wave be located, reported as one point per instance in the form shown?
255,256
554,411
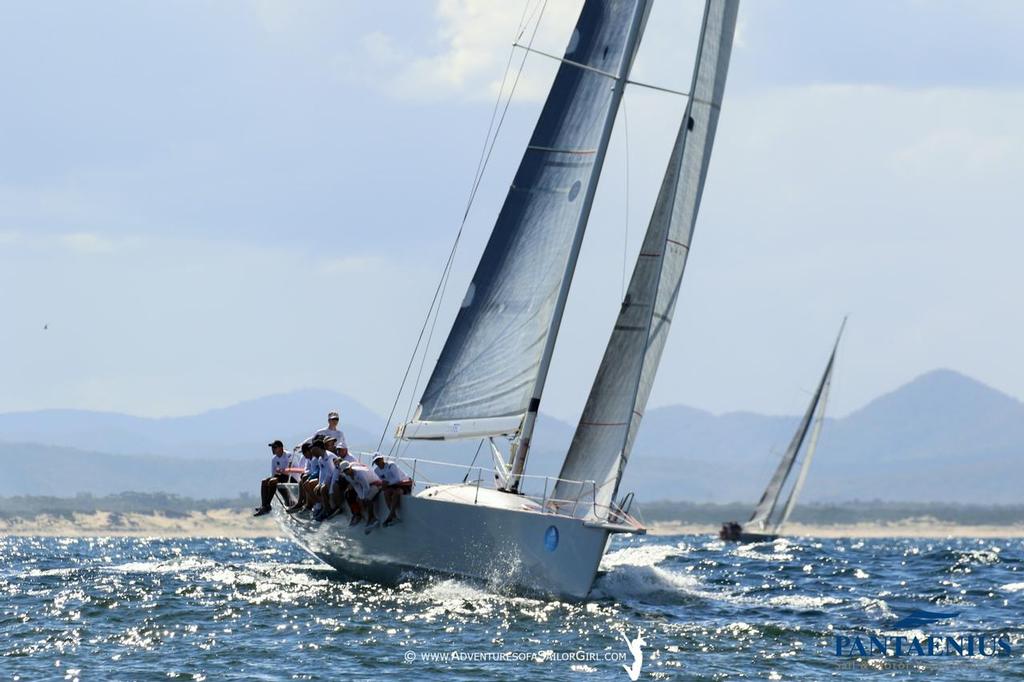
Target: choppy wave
196,609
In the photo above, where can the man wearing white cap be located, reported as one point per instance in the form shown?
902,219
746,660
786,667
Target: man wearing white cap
332,431
395,484
338,486
364,486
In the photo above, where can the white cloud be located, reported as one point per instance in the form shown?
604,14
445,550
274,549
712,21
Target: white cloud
87,243
474,39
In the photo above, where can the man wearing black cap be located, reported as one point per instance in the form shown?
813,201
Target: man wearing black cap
278,465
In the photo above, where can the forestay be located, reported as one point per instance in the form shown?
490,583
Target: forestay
492,367
606,431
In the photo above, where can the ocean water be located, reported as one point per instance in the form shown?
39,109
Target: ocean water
123,608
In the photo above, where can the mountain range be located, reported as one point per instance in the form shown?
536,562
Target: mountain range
941,437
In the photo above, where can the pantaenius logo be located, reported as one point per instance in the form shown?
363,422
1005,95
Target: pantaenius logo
944,644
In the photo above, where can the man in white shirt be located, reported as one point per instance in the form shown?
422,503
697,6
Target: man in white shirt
364,486
395,484
332,430
338,486
268,486
325,477
311,480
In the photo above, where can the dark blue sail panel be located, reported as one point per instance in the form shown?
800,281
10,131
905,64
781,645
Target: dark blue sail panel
502,337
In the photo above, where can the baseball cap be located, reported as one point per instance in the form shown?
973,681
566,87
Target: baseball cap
332,415
275,444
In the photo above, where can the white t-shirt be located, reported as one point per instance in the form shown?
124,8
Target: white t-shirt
327,469
327,431
390,473
362,480
279,462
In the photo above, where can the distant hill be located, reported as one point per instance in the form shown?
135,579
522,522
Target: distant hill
941,437
32,469
232,432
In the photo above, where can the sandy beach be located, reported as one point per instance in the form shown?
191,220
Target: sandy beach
215,523
240,523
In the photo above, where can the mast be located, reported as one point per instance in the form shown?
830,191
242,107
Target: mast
521,446
815,433
490,374
607,429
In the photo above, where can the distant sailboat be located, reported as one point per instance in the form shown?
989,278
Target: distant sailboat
761,527
489,377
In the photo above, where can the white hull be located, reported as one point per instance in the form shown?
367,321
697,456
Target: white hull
474,533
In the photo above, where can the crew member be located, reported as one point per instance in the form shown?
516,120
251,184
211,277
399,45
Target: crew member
364,486
268,486
394,484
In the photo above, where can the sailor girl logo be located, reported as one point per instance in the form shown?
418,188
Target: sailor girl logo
635,647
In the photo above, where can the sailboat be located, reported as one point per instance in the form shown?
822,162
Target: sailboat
765,525
530,533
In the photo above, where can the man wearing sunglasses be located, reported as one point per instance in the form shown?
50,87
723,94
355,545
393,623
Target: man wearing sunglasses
332,432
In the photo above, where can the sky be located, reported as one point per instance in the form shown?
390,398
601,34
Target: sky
210,202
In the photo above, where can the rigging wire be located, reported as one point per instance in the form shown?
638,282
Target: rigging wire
485,156
470,469
446,276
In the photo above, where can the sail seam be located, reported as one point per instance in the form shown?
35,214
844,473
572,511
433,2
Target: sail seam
553,150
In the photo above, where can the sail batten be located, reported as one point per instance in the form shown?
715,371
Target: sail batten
495,358
604,436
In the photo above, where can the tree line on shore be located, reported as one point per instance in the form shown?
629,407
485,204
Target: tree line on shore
874,511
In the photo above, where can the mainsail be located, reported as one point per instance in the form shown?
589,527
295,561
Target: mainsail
491,371
816,412
606,431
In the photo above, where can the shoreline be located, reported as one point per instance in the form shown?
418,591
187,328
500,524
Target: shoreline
216,523
239,523
906,528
